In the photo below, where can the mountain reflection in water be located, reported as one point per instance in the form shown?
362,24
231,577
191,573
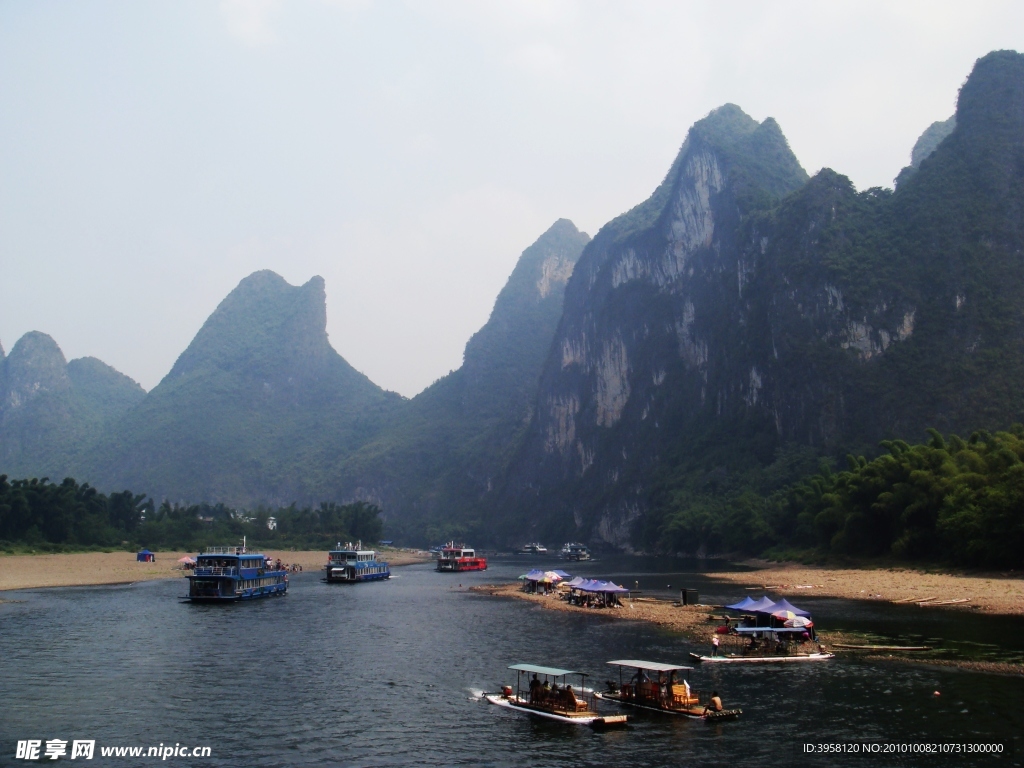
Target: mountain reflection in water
390,674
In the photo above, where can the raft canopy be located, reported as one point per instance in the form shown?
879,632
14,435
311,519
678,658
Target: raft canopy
552,671
652,666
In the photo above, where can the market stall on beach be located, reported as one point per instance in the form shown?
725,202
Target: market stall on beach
594,593
542,581
765,630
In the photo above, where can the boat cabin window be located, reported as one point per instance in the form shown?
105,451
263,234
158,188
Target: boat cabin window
216,562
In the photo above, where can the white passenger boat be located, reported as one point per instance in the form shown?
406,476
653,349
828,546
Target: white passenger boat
547,695
660,687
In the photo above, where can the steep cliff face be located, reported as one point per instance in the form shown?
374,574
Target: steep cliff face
742,308
51,411
255,409
436,465
649,314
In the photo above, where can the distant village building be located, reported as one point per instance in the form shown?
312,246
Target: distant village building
272,523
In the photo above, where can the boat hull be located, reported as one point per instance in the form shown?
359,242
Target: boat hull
761,659
591,719
274,590
693,713
474,564
358,579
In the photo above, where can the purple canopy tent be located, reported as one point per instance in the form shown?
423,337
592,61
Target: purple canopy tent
785,605
743,604
606,589
764,605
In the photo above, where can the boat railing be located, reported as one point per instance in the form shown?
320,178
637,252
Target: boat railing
215,571
225,551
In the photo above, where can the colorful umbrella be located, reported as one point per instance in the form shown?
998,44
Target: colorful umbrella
785,615
798,621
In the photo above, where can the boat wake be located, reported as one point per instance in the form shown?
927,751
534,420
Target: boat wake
475,694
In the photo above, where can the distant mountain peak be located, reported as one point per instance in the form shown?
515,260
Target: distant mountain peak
930,139
263,319
36,366
991,101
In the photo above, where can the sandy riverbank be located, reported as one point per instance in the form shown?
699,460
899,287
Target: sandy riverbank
697,622
988,594
92,568
692,620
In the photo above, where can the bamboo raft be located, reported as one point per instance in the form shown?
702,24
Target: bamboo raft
850,647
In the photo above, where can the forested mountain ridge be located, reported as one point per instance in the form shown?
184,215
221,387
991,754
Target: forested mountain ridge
255,410
435,466
260,409
52,410
650,388
740,313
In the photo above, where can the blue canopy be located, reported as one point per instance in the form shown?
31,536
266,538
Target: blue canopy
785,605
535,575
563,574
593,585
764,605
575,582
743,604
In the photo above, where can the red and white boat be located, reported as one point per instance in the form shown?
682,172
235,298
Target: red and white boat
455,558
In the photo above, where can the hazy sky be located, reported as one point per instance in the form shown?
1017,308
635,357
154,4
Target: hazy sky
153,154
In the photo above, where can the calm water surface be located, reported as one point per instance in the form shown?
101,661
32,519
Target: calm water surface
390,674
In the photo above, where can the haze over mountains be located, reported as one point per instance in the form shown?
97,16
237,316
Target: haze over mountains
743,314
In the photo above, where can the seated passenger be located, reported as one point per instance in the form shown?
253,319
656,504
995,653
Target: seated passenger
571,702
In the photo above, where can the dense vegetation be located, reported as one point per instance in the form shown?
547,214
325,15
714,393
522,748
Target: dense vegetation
40,515
942,250
946,500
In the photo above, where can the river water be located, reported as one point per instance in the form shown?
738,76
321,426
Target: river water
390,674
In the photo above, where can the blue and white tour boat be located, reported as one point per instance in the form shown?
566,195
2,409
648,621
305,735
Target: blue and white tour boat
351,564
232,573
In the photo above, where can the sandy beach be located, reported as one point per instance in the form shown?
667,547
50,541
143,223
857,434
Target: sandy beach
697,622
691,620
91,568
995,593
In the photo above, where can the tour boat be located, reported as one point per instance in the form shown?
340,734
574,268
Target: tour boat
768,645
351,564
533,549
547,695
575,551
232,573
455,558
661,688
